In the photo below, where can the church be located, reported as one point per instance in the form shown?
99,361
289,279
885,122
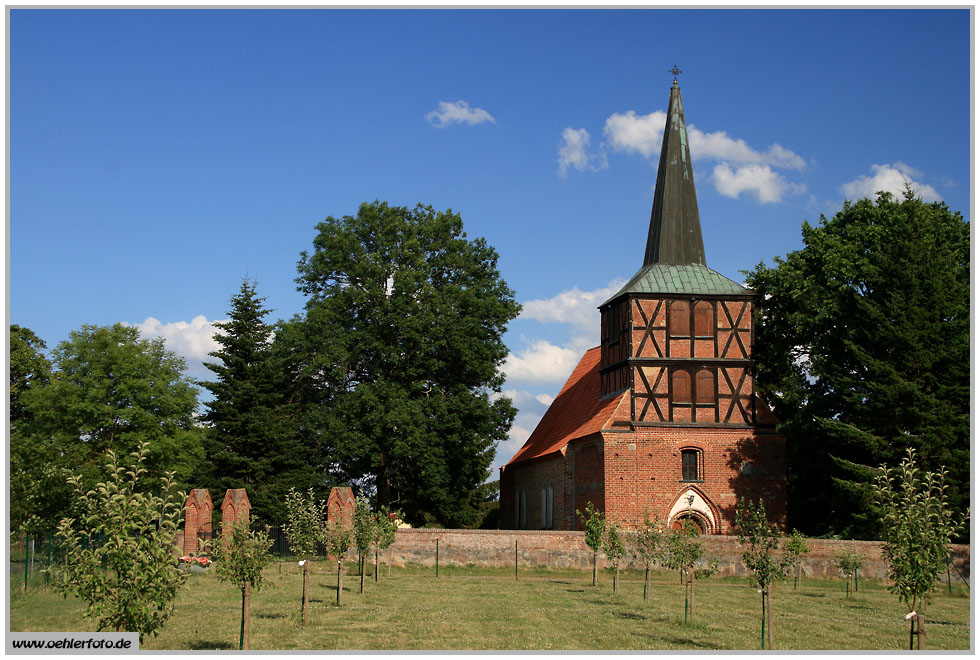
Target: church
662,418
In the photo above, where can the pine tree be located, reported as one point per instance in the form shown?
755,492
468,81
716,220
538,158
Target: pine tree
251,440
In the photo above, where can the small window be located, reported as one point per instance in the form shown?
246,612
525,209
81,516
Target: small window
705,387
681,386
690,465
704,320
680,319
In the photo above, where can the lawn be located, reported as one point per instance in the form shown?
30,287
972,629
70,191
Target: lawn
477,608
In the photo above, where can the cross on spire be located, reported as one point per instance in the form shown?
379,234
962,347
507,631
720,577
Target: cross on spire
675,72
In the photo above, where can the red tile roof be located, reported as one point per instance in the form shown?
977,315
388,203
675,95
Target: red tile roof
577,411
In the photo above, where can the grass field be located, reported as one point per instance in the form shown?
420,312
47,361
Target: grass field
477,608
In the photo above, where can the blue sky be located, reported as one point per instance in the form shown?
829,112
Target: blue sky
157,157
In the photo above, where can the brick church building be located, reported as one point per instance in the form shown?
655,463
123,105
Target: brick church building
662,417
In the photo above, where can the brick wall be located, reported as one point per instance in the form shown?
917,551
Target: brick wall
556,549
643,472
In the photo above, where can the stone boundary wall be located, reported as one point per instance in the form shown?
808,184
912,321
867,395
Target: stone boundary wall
553,549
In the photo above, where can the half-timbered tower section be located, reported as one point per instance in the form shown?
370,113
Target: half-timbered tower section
662,418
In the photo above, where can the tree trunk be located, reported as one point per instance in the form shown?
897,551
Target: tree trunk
690,577
306,591
595,568
646,582
376,564
769,631
615,578
920,621
363,563
246,615
340,578
763,642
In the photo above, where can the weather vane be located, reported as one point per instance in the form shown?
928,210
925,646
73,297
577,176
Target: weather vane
675,71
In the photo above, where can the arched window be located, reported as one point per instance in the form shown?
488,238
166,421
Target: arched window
691,465
704,319
681,386
680,319
705,390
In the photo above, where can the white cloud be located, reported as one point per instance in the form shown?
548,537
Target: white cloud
643,134
574,306
459,112
631,133
192,341
890,178
718,146
541,362
574,152
761,180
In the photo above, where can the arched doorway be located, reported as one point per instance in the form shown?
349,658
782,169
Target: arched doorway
693,505
681,521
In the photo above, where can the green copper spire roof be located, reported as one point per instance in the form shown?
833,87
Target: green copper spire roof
674,260
675,225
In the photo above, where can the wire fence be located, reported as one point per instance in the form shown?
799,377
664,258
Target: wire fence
34,559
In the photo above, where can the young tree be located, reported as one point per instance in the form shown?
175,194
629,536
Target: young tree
306,525
403,339
110,390
339,539
594,523
365,526
240,559
383,536
682,551
119,547
848,563
251,437
795,547
919,525
863,349
761,541
615,549
649,544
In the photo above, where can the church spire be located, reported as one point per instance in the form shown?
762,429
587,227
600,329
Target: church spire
675,225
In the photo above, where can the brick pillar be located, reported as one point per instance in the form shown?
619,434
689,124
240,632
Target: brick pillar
197,519
340,506
235,507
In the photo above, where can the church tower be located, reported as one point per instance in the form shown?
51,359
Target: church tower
662,418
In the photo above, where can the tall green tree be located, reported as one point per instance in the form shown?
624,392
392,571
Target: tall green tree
251,440
28,367
863,349
401,344
110,390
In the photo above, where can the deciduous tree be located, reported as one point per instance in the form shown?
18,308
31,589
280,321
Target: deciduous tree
240,558
919,525
401,344
863,349
110,389
761,541
594,523
306,531
119,547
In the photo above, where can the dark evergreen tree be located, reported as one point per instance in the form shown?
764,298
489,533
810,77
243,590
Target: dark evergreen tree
251,440
863,349
403,343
